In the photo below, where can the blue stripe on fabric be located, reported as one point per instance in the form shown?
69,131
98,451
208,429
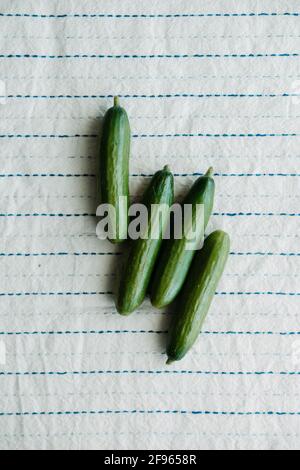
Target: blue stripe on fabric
149,175
166,136
119,253
176,95
258,253
257,214
151,372
216,214
140,175
148,15
101,332
44,294
47,136
46,175
63,254
151,412
149,56
51,294
47,215
79,332
143,136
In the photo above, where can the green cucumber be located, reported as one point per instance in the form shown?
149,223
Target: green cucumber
177,255
197,295
114,167
143,253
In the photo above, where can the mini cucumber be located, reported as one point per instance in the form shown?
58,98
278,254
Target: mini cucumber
143,253
175,261
197,295
114,166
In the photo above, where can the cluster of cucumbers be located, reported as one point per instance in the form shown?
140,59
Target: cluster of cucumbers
176,270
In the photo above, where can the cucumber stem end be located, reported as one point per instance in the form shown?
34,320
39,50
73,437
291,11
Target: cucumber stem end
210,172
116,101
169,361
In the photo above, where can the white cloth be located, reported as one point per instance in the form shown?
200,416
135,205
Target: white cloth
223,72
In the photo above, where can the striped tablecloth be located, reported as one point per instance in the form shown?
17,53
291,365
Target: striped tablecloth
205,83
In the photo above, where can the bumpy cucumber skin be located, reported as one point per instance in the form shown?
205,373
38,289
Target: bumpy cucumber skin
176,260
197,295
114,166
143,253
